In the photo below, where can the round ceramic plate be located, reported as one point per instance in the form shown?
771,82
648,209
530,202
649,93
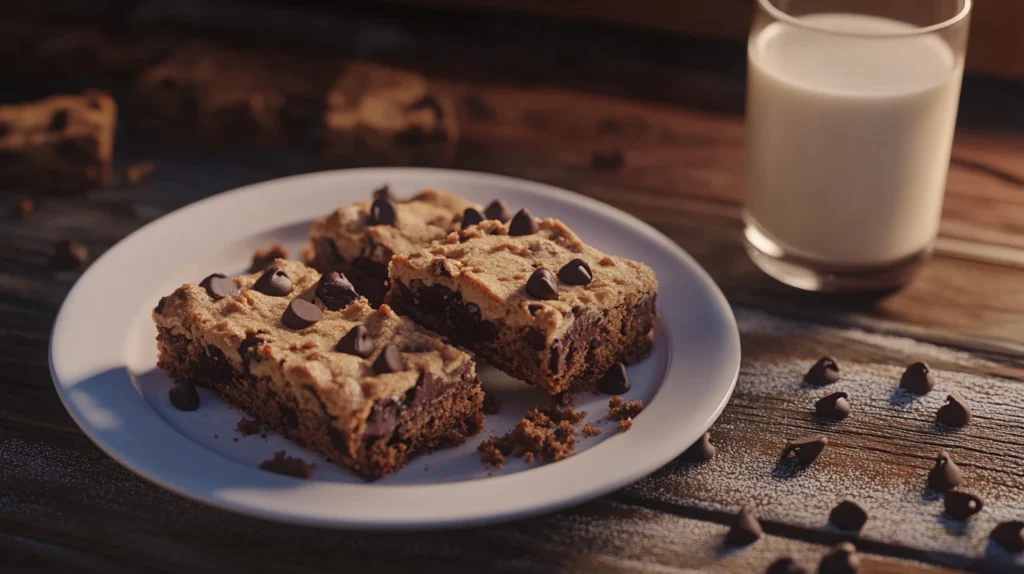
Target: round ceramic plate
103,360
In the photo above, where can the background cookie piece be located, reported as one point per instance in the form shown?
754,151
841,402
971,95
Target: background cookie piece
381,115
60,143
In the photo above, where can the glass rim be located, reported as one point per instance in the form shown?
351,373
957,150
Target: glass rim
781,15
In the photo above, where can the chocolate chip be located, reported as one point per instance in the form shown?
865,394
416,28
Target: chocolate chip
614,381
917,379
945,475
218,286
611,159
785,565
70,254
834,406
848,515
497,210
59,121
824,372
184,396
956,412
962,505
388,361
700,451
541,285
159,310
471,216
383,417
523,224
382,212
1009,535
841,559
335,291
745,528
557,361
576,272
383,192
806,449
357,341
274,282
301,314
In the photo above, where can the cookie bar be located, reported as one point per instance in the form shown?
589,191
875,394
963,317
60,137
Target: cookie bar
377,114
204,95
359,241
531,299
311,359
61,143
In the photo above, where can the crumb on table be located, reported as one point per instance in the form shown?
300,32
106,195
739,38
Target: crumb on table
137,173
546,434
288,465
619,409
248,427
625,424
590,430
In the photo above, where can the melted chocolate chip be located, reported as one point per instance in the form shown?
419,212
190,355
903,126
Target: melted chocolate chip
382,212
1009,535
159,310
274,282
700,451
383,192
383,417
542,285
471,216
59,121
523,224
962,505
835,406
945,475
785,565
247,350
389,361
70,254
614,381
824,372
218,286
335,291
358,342
848,515
806,449
956,412
184,396
917,379
497,210
301,314
557,361
745,528
841,559
576,272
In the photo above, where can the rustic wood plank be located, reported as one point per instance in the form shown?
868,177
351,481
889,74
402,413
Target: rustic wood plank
878,457
64,493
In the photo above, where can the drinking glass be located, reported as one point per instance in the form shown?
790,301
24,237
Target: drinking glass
851,108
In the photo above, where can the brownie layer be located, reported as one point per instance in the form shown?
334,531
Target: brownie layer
368,277
433,414
597,339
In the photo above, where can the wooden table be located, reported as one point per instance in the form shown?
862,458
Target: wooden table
538,99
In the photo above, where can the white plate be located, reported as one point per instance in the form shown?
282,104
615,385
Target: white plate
103,360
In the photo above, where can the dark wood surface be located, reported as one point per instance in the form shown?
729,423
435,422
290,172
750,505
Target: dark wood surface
540,110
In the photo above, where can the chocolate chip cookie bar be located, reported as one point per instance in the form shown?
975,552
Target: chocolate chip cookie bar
61,143
377,114
530,298
203,94
311,359
359,240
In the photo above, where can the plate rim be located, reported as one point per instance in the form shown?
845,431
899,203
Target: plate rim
229,500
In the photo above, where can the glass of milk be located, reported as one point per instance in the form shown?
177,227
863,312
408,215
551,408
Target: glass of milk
851,107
